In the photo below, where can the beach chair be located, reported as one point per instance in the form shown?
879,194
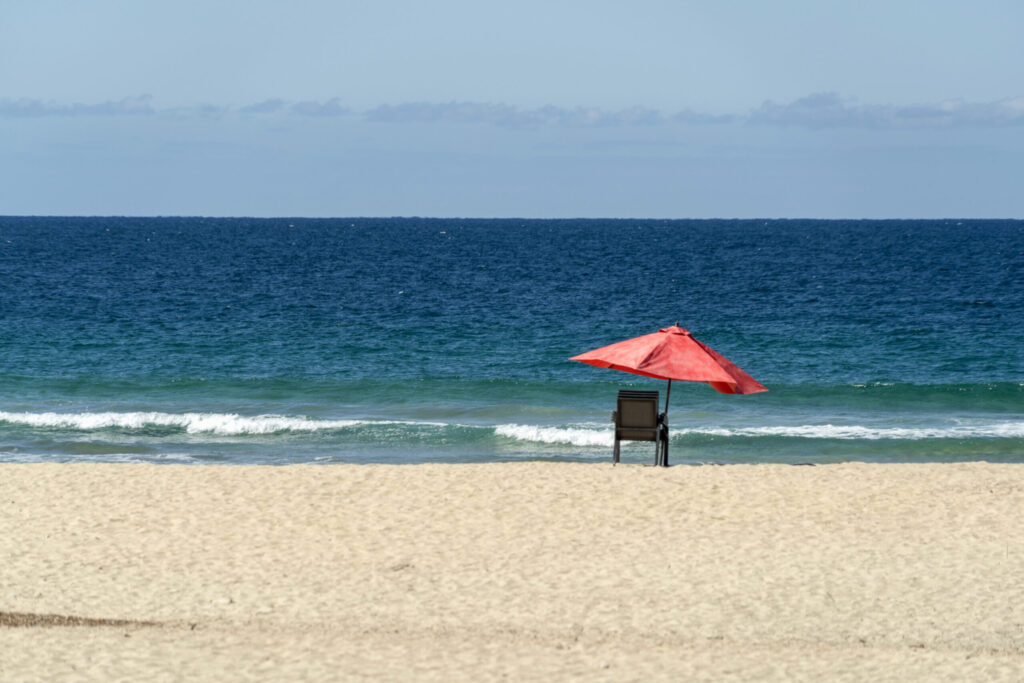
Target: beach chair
637,419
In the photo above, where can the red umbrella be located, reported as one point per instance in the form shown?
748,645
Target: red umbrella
673,354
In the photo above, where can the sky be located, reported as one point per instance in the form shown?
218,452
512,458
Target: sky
534,109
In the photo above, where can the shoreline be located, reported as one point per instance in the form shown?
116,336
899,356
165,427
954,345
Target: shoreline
522,570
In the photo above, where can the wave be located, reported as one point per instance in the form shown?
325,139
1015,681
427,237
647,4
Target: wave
578,436
223,424
581,434
575,436
1004,430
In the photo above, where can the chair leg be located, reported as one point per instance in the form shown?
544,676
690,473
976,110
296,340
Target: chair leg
664,448
615,452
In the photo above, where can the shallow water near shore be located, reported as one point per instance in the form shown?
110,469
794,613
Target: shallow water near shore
278,341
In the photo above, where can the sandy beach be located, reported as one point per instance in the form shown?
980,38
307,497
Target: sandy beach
511,571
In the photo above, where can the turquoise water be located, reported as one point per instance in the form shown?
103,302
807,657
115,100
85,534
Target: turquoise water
203,340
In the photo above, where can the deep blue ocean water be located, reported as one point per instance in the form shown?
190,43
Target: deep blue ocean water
212,340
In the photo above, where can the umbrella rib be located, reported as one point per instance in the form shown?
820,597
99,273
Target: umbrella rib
641,364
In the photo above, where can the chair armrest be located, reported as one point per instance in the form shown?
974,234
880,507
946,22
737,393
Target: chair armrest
615,416
663,419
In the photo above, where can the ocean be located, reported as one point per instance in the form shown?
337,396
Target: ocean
411,340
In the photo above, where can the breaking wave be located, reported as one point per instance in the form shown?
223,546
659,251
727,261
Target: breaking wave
224,424
1002,430
579,436
575,436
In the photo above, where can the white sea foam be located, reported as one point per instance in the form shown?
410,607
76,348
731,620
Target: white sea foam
580,436
575,436
846,432
225,424
586,434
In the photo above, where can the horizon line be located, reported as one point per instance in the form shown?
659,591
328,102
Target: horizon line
506,218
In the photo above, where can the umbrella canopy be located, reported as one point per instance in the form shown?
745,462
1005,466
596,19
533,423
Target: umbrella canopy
673,353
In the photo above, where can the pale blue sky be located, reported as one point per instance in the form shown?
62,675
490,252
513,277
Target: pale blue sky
534,109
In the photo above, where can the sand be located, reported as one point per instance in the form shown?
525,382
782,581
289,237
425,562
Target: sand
511,571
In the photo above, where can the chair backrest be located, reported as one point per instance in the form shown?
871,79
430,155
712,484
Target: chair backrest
637,415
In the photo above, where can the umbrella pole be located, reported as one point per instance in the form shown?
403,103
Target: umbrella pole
664,445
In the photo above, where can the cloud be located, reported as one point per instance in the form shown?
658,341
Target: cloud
508,115
829,110
201,110
265,107
32,108
331,107
585,117
695,117
820,110
1005,112
432,112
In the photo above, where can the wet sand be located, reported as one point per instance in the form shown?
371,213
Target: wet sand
519,570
